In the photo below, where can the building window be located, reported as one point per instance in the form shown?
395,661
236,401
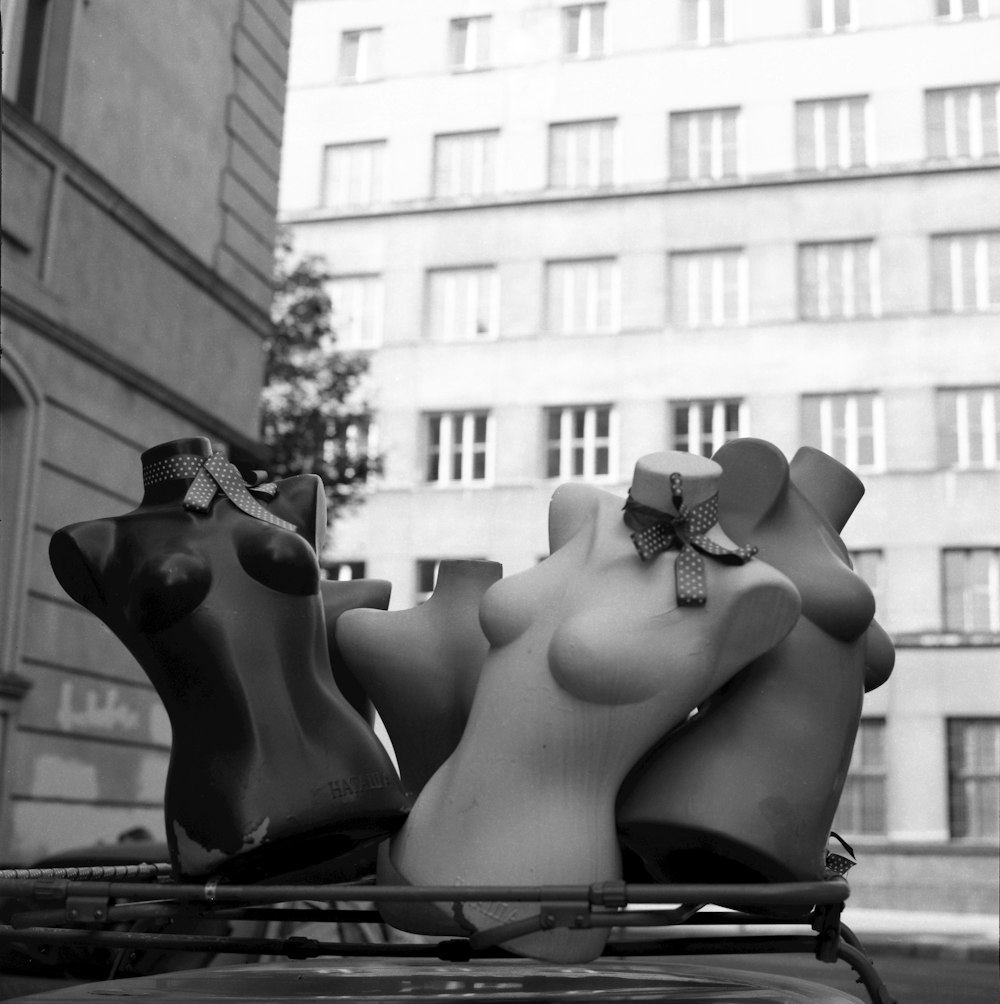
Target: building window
969,427
862,809
849,427
829,16
705,426
959,10
838,280
974,778
965,272
582,154
704,144
345,571
582,296
353,174
469,43
869,565
459,448
579,442
704,22
831,134
464,304
972,589
360,55
962,122
356,311
708,288
583,31
465,164
35,68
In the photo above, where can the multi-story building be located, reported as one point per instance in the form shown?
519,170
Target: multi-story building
572,233
140,166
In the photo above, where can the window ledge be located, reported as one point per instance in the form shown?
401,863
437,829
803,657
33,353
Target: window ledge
958,847
946,639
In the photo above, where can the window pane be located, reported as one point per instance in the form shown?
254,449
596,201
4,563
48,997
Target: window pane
974,778
862,808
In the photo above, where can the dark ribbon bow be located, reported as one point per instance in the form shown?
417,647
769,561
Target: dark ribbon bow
657,531
212,475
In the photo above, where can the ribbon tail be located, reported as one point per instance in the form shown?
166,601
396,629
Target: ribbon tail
689,577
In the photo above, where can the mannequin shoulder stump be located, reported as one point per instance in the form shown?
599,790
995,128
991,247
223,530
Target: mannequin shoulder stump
301,500
77,553
763,612
570,508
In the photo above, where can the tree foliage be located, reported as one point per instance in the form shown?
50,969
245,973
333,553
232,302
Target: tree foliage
314,415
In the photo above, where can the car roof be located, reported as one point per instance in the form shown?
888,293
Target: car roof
386,981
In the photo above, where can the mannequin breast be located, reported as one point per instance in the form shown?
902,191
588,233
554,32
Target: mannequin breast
164,565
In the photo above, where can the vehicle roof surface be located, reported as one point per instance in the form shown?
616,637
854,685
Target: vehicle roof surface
418,981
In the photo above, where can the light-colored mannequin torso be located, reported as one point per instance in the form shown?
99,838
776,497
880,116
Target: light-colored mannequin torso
591,661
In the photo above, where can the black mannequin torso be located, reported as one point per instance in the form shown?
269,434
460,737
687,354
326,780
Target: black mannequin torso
269,765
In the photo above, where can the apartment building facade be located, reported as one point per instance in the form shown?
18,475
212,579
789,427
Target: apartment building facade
574,233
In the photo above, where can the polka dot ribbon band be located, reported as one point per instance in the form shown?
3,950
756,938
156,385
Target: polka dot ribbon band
657,531
211,476
840,857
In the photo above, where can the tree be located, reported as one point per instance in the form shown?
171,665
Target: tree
314,415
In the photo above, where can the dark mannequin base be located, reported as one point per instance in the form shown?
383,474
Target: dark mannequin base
699,857
330,850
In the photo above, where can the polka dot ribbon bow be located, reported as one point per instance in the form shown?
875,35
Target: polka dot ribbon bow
657,531
211,476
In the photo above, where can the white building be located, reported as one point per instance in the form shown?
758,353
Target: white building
572,234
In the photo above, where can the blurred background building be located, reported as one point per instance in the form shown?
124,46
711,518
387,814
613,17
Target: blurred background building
140,165
574,233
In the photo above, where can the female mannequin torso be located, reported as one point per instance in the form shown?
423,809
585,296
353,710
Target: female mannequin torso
420,666
747,790
269,767
591,661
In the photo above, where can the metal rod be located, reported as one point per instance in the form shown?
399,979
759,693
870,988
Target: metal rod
601,894
859,962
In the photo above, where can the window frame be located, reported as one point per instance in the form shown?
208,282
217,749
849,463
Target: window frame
851,432
818,110
948,285
864,777
978,121
572,269
473,35
975,778
716,433
372,176
701,16
585,14
587,171
589,444
367,59
446,328
956,10
717,285
826,286
969,589
691,123
370,311
463,447
957,422
827,21
485,159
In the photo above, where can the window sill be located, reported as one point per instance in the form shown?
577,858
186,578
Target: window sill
955,847
946,639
